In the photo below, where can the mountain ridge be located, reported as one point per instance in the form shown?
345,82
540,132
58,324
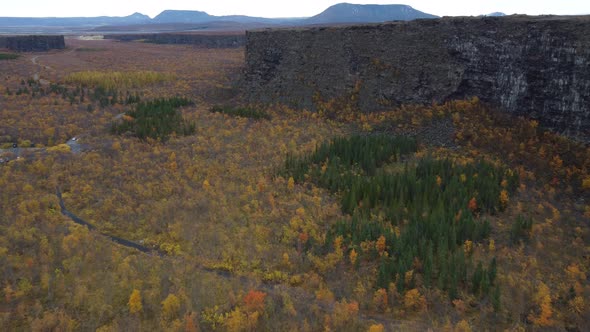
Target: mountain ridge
339,13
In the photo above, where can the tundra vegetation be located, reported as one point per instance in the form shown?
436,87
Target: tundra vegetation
275,219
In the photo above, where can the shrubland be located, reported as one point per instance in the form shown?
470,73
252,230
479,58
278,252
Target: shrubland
274,219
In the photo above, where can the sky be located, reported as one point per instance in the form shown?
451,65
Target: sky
277,8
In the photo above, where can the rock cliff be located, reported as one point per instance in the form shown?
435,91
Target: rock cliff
533,66
32,43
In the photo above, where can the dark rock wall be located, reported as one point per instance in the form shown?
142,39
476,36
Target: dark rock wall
204,40
533,66
32,43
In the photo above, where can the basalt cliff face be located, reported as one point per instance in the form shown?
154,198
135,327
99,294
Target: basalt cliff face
32,43
533,66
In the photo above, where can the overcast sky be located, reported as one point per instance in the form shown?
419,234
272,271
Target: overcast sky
279,8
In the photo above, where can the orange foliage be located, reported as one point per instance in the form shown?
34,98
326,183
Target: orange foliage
472,206
254,301
353,256
543,299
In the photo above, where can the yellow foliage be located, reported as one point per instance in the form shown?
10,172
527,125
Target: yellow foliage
414,300
577,304
462,326
376,328
61,148
380,299
492,245
206,185
117,79
237,321
134,303
468,247
380,245
291,183
286,260
586,183
170,307
300,212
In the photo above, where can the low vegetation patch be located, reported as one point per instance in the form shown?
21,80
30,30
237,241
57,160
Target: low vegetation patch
156,119
8,56
243,112
116,79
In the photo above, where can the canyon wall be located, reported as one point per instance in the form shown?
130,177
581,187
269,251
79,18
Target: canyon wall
533,66
32,43
203,40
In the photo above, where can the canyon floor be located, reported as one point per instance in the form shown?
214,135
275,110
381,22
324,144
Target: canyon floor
247,226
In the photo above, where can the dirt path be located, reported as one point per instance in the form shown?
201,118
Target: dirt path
91,227
37,75
35,61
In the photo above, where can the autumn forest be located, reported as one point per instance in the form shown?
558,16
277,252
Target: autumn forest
139,192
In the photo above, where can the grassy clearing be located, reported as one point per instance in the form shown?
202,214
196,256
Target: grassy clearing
117,79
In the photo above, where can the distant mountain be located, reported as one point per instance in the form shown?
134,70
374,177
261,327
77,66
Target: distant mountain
194,16
351,13
496,14
136,18
341,13
183,16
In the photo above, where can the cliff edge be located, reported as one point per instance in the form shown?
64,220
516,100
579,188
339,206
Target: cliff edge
32,43
533,66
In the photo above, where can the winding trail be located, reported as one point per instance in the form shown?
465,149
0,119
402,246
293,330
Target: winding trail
35,61
276,288
118,240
